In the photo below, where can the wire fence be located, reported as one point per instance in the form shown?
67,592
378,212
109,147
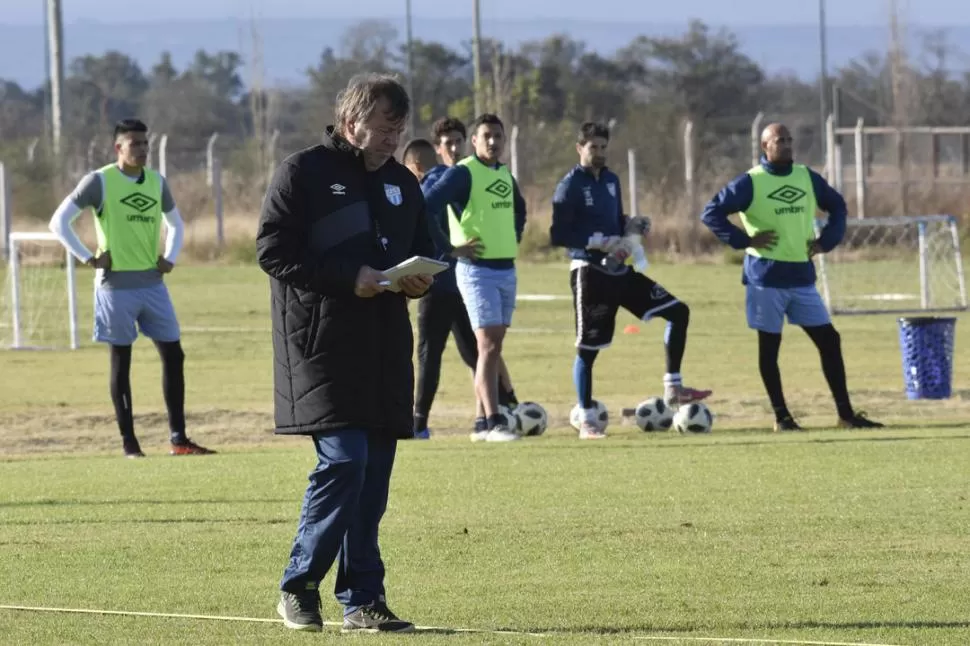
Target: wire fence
668,172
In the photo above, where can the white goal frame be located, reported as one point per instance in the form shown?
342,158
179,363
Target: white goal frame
15,300
920,222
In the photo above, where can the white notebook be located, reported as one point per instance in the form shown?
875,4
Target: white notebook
411,267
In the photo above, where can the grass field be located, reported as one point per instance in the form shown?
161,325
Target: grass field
827,536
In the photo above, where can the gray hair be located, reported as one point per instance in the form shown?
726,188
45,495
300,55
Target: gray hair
359,99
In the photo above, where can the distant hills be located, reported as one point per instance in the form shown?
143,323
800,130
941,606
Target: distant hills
290,46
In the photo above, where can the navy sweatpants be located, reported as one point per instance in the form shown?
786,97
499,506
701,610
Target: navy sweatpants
342,509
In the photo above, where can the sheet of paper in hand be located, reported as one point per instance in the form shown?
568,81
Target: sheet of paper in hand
411,267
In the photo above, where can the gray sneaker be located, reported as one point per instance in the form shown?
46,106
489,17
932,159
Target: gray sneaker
375,618
301,611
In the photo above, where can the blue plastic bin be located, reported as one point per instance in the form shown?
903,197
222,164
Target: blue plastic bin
926,344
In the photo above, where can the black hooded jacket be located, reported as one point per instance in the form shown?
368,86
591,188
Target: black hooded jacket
340,361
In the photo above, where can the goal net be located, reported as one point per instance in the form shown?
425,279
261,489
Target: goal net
38,306
895,265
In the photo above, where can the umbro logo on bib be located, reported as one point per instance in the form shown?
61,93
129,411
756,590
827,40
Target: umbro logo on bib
139,202
787,194
500,188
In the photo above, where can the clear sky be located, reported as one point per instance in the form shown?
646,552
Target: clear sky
717,12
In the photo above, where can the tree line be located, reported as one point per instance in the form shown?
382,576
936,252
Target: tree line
647,88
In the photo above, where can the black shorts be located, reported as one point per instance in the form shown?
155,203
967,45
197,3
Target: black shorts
597,296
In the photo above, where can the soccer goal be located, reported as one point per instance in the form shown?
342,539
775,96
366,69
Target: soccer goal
38,308
895,265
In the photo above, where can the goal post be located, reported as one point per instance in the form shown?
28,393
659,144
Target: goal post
895,265
35,308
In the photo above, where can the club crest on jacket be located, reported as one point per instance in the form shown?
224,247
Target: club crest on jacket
393,194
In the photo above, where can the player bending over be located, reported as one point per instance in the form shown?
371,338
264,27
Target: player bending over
129,202
779,275
588,201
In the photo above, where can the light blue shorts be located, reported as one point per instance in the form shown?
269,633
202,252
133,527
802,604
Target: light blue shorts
120,313
489,294
768,306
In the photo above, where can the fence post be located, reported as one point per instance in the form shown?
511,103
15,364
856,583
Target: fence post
210,158
6,213
901,168
631,162
32,150
152,138
689,167
163,155
217,199
92,148
756,139
831,174
860,168
273,144
514,152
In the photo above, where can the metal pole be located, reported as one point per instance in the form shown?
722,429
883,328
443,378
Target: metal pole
72,301
55,39
822,85
6,213
412,125
477,54
631,163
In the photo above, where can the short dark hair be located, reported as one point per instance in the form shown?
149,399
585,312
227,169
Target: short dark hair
127,126
359,99
445,125
486,118
591,129
415,148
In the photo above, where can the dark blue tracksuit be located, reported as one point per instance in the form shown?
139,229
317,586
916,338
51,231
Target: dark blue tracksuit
764,272
584,204
440,312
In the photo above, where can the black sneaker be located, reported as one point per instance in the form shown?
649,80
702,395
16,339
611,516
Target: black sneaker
860,420
131,448
787,424
301,611
375,618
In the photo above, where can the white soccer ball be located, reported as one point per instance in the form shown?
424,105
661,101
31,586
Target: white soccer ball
694,418
602,415
511,421
654,415
532,418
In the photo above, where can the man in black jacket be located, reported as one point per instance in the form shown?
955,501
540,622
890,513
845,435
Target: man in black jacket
335,216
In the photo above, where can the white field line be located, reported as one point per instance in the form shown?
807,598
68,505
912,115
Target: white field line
262,620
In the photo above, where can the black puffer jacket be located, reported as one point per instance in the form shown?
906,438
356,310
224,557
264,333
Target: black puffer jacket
340,361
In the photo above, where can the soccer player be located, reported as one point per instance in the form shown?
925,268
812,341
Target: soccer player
487,209
777,201
442,310
129,202
588,200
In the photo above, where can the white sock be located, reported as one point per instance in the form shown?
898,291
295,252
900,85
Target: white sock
672,379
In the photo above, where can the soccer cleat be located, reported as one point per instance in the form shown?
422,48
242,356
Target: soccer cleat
479,435
132,448
859,420
590,431
680,395
787,424
502,434
375,618
188,447
301,611
423,434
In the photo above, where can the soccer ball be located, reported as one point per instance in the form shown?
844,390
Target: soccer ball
693,418
654,415
532,418
510,419
602,415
